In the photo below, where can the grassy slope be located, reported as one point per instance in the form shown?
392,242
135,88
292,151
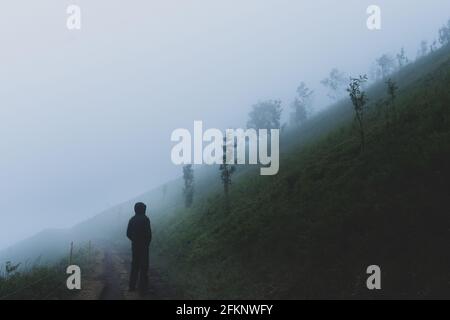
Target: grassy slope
312,230
43,281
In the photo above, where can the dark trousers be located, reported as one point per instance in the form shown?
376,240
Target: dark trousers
139,266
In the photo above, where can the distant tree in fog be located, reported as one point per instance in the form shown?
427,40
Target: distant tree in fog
444,34
402,59
392,89
265,115
226,171
359,100
301,104
375,72
433,46
188,190
299,115
423,49
336,83
386,65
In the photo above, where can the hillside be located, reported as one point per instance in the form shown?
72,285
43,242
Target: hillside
312,230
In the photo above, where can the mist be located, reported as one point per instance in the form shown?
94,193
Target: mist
86,116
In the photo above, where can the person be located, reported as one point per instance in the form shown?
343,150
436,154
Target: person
140,233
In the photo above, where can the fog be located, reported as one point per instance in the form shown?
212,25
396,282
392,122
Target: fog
86,116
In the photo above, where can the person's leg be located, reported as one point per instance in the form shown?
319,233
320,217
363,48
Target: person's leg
134,268
143,269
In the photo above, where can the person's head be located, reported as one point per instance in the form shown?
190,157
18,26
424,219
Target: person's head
140,208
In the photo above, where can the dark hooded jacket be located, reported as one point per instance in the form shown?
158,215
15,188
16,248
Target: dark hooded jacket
139,230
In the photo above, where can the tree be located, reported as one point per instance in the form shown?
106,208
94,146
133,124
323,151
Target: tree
423,49
375,72
392,89
402,59
265,115
392,93
226,171
359,100
444,34
301,103
386,65
299,115
188,190
336,83
433,46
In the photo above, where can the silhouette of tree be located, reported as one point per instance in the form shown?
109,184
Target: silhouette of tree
188,190
359,100
226,171
402,59
392,89
433,46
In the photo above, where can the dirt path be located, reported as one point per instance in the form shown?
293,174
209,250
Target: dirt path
116,272
111,278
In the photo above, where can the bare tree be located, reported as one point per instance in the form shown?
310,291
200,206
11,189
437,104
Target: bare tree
359,100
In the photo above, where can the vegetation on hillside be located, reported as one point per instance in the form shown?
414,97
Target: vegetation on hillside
349,194
42,281
312,230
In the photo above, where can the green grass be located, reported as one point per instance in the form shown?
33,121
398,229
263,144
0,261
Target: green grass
38,281
312,230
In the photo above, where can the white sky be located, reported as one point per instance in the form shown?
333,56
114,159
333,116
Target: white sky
86,116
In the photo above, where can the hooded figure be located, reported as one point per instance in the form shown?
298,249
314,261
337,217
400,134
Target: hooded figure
140,234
